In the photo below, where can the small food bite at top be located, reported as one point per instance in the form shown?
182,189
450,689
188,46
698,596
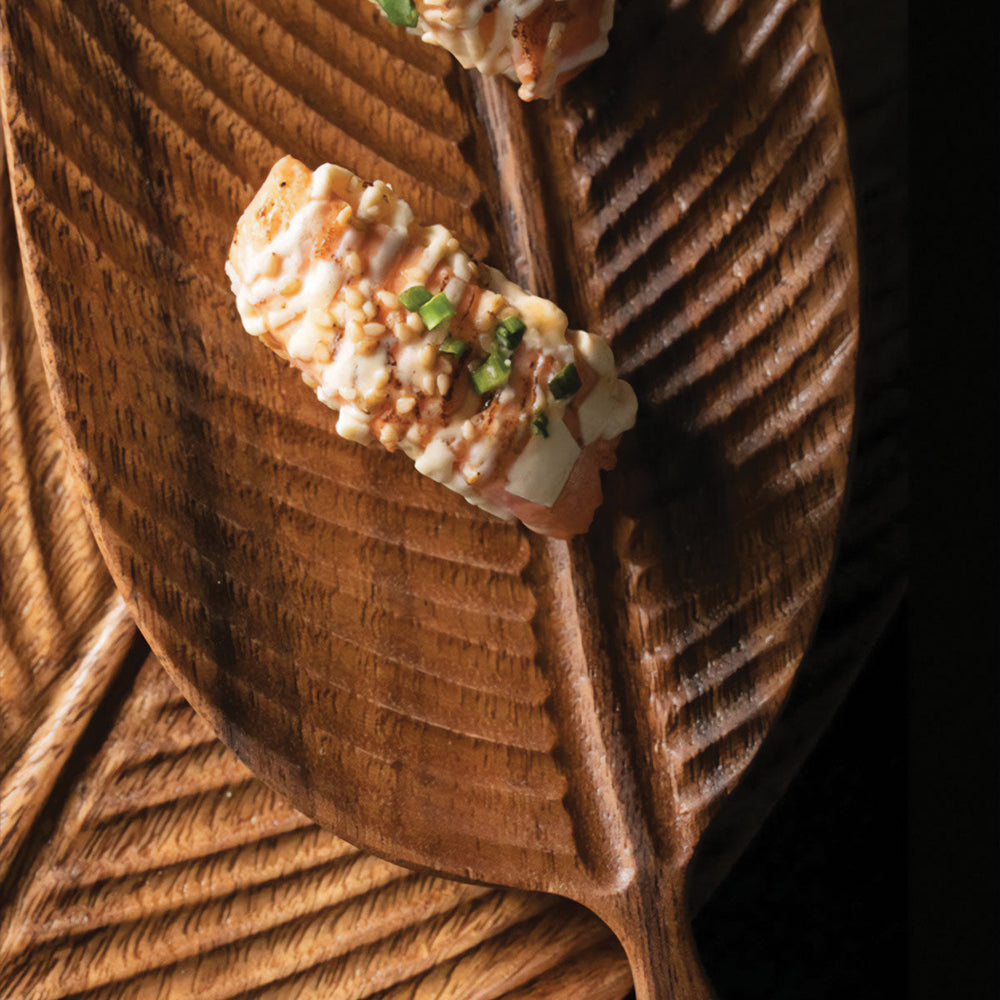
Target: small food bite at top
423,350
538,43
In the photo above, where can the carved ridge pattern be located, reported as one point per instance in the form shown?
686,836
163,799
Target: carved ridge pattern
113,461
63,630
705,306
165,839
714,246
172,869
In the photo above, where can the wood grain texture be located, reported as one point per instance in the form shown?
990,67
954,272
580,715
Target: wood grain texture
63,628
869,576
139,856
171,870
428,682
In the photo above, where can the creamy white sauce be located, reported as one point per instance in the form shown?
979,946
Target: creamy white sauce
610,408
320,313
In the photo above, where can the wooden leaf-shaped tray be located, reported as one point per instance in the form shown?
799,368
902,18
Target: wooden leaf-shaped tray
63,627
436,686
139,858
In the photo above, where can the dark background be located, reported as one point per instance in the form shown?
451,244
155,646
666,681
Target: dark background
876,874
817,905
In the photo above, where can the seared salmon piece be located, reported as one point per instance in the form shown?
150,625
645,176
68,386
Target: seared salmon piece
422,350
539,44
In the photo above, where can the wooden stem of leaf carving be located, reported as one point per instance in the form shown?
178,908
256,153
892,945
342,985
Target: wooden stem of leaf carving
650,917
26,786
658,940
687,198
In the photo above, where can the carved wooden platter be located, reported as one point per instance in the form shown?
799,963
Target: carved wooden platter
433,685
139,858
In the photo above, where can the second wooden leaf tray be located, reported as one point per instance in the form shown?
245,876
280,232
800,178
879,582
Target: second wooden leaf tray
434,685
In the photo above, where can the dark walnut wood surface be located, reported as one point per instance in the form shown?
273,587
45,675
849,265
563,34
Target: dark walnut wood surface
436,686
139,858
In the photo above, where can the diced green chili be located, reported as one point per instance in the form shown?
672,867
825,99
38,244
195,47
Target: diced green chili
402,13
435,311
540,424
451,345
491,374
565,383
414,297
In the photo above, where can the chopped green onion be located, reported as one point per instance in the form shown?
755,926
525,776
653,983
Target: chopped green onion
491,374
540,425
435,311
451,345
414,297
514,325
509,333
402,13
565,383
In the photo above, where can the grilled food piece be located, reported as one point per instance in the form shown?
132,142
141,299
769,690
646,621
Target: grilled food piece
425,351
538,43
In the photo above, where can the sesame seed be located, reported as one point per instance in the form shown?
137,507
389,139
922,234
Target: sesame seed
365,287
369,309
291,287
403,333
443,384
344,215
427,383
302,344
353,265
386,300
373,329
322,354
428,355
254,323
273,266
452,245
381,378
370,203
277,318
353,297
405,404
322,183
415,275
414,322
355,331
468,430
485,320
388,435
321,318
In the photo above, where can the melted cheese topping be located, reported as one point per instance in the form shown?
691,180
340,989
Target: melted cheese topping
541,470
323,293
